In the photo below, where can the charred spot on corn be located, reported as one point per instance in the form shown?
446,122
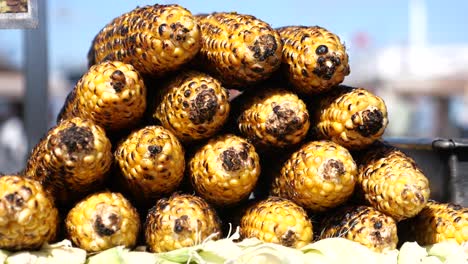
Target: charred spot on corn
332,169
378,224
288,239
233,159
204,106
181,224
326,67
321,50
372,122
107,227
154,150
15,200
118,80
266,46
283,121
77,138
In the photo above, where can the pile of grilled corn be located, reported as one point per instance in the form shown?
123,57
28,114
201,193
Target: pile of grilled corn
152,148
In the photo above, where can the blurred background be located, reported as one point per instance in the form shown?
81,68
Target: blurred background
414,54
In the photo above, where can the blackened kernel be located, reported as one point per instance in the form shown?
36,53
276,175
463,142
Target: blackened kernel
321,50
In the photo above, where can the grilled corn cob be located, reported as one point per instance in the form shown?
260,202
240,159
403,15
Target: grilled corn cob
154,39
351,117
112,94
102,221
314,58
319,176
28,216
277,220
438,222
273,117
182,220
238,49
391,181
152,162
225,170
362,224
72,159
194,106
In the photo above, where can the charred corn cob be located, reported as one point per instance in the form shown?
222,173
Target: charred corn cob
314,58
152,162
319,176
391,181
102,221
277,220
72,159
225,170
28,216
438,222
182,220
273,117
154,39
238,49
351,117
193,106
362,224
112,94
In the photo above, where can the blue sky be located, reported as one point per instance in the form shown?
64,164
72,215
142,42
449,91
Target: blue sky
73,24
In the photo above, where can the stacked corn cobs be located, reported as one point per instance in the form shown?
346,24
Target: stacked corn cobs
185,125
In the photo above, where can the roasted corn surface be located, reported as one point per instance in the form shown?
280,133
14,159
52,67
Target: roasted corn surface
314,59
238,49
28,216
152,162
277,220
273,117
225,170
438,222
179,221
320,175
101,221
352,117
112,94
193,106
363,224
73,158
154,39
390,181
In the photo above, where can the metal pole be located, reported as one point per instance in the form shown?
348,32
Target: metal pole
457,192
36,81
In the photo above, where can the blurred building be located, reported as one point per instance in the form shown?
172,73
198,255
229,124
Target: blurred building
425,86
13,141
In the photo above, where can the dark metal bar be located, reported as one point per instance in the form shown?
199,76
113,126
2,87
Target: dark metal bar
455,184
36,81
